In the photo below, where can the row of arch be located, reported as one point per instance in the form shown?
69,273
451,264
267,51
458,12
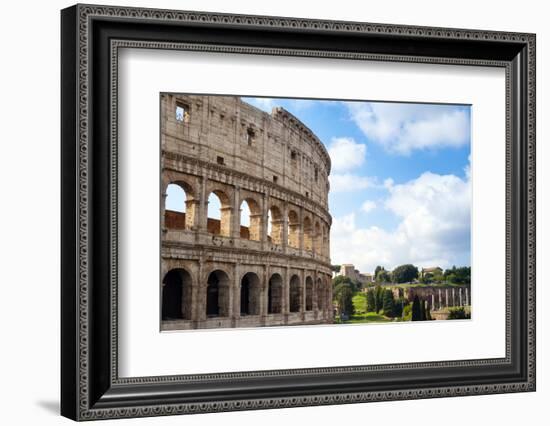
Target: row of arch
178,295
281,228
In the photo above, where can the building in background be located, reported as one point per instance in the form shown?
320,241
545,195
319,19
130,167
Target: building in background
348,270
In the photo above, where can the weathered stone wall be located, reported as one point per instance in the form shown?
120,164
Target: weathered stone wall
228,275
437,297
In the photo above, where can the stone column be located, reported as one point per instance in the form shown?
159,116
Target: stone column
235,290
195,297
265,218
439,298
264,294
460,296
433,302
203,206
200,308
286,295
301,233
162,211
284,235
236,219
191,217
467,301
453,297
446,297
303,294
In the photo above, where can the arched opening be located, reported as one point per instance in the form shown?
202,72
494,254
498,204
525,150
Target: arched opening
309,294
250,294
219,214
318,238
179,206
295,294
275,295
275,226
308,230
251,220
217,294
176,295
320,295
293,229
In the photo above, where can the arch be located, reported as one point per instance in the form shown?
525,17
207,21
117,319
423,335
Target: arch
250,220
308,231
275,225
250,294
179,206
295,294
217,294
275,294
293,229
320,291
219,214
317,238
176,295
309,294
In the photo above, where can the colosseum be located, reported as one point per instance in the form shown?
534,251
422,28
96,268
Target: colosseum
218,272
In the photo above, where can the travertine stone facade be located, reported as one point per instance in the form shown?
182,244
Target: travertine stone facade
215,272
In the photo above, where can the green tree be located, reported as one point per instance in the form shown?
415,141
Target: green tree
378,298
407,312
398,307
405,273
416,310
377,269
343,294
371,302
336,268
387,303
336,281
383,276
461,275
428,278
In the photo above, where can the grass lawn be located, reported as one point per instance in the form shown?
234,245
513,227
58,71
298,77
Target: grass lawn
361,315
367,317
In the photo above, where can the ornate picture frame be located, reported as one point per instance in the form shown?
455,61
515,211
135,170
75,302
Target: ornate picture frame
91,37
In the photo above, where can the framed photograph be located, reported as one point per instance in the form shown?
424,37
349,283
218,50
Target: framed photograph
266,212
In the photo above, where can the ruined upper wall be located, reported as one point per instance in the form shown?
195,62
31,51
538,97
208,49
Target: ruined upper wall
226,130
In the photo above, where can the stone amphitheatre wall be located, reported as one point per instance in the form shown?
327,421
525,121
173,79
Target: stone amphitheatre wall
215,272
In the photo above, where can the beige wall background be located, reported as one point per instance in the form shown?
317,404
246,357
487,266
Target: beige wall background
29,212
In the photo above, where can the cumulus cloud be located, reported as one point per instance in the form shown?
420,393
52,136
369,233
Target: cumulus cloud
346,154
347,182
434,228
402,128
368,206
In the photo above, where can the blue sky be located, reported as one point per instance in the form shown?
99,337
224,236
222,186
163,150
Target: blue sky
400,182
400,185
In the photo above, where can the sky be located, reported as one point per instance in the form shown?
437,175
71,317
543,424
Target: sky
400,185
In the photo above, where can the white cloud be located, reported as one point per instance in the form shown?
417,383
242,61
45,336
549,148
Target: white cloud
265,104
368,206
346,154
402,128
388,183
434,229
348,182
